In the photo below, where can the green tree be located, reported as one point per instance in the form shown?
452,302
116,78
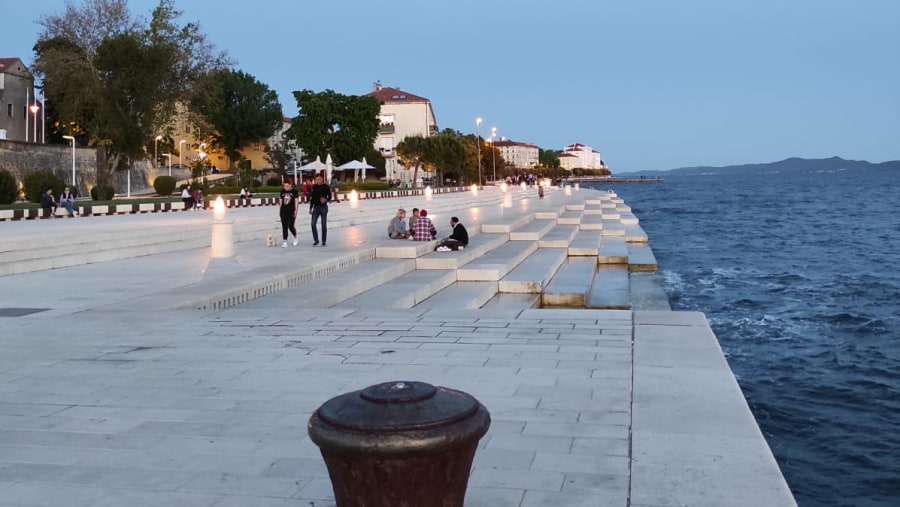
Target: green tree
328,122
548,158
238,109
112,80
414,152
447,153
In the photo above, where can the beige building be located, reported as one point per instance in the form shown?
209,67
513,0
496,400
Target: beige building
518,155
402,115
569,161
587,157
20,113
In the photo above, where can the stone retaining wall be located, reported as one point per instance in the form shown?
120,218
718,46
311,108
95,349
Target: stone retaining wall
20,158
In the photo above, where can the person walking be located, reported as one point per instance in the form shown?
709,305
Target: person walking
335,186
48,202
288,212
67,200
540,191
319,196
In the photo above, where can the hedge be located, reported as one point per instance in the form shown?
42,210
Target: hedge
8,189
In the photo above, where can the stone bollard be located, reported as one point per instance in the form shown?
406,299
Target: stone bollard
222,244
399,444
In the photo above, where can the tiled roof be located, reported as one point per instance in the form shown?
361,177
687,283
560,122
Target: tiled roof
564,154
514,143
387,94
9,62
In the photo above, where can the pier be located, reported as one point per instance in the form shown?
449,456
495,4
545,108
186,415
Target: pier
138,370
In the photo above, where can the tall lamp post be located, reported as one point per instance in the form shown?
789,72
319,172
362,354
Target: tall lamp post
156,151
169,158
180,149
72,138
494,152
44,120
34,110
478,146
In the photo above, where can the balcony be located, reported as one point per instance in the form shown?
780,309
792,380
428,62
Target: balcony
386,128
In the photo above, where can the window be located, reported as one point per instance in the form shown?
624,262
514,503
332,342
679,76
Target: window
187,128
9,109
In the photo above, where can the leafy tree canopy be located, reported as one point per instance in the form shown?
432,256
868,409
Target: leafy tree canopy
113,79
238,109
328,122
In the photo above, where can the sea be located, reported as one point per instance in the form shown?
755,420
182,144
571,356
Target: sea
799,276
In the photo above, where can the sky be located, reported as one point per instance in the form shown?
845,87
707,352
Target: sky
651,84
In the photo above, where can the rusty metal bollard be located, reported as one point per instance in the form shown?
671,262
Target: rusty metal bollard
399,444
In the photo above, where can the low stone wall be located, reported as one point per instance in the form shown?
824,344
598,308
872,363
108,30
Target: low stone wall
20,158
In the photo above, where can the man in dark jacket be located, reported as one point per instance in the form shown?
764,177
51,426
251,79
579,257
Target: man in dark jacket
319,196
459,238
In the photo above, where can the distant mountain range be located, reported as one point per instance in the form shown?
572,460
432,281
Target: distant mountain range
783,166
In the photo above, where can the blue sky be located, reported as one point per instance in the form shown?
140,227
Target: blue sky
653,84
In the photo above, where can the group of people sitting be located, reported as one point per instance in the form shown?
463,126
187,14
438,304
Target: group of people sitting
193,198
421,228
66,200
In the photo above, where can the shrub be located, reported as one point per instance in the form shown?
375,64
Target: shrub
36,183
255,183
362,186
8,190
164,185
103,193
273,182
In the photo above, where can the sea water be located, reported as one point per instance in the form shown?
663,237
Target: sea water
799,276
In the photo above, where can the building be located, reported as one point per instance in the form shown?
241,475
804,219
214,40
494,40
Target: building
518,155
402,115
20,113
587,157
568,161
183,137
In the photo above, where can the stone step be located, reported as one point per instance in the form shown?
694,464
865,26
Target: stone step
558,237
591,223
613,250
647,292
569,217
571,284
641,258
575,207
478,246
585,244
532,231
504,302
628,219
613,228
635,234
611,215
610,289
338,287
534,273
405,249
593,209
495,264
504,225
469,295
404,291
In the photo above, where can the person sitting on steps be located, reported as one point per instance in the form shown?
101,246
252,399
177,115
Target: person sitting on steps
48,202
397,228
423,230
67,200
457,240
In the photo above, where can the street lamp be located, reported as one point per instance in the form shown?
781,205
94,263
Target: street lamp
44,120
494,152
156,151
180,149
34,110
169,158
72,138
478,145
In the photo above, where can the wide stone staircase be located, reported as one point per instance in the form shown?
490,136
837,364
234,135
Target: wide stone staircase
589,255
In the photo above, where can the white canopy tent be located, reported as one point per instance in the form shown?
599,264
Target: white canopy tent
316,166
356,165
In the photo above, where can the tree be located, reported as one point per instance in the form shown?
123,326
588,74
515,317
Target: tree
548,158
239,110
344,125
414,151
447,153
112,80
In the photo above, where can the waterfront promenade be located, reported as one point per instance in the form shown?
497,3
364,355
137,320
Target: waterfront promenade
175,379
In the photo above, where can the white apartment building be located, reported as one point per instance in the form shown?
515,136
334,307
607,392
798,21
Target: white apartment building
518,155
587,157
569,161
402,115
